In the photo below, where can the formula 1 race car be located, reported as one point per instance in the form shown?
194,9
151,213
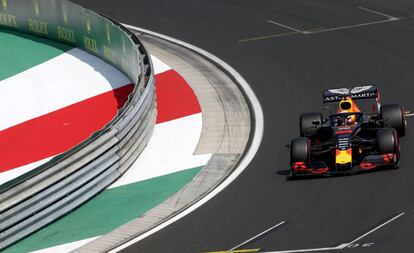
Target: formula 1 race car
350,139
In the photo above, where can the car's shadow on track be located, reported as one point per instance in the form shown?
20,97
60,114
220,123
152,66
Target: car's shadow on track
286,173
283,172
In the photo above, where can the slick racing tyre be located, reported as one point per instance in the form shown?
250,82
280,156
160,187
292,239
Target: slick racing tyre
393,116
306,123
299,150
387,143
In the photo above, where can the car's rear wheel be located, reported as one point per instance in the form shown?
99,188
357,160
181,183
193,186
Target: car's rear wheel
307,123
388,143
393,116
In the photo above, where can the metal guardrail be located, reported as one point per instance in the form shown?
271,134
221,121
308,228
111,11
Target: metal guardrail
38,198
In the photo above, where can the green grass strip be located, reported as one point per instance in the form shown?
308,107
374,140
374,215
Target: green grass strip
109,210
19,52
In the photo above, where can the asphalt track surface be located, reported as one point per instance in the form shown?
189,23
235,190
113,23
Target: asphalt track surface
289,50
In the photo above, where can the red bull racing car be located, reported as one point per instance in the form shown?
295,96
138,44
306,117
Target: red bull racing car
360,134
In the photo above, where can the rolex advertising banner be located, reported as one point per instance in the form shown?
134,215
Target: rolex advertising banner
72,24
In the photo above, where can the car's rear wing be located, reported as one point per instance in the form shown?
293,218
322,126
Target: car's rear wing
360,92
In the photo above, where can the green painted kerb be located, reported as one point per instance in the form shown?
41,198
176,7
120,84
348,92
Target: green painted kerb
109,210
19,52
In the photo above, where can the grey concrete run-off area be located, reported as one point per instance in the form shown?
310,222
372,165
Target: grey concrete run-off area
226,118
225,133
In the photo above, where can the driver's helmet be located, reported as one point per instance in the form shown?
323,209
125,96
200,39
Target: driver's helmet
347,105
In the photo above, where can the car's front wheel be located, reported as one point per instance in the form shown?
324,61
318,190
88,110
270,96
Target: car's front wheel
388,143
299,152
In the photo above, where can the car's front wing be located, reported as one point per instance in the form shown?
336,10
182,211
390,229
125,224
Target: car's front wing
369,162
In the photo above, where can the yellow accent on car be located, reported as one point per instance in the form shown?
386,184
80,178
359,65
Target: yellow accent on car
343,156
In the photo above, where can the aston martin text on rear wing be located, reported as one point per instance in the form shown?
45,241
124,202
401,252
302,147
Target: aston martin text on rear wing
360,92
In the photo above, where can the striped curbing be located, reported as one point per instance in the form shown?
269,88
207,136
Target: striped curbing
164,167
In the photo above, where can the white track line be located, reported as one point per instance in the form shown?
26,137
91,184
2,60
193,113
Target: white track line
390,19
285,26
350,26
409,114
254,237
251,152
375,229
343,245
305,250
379,13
